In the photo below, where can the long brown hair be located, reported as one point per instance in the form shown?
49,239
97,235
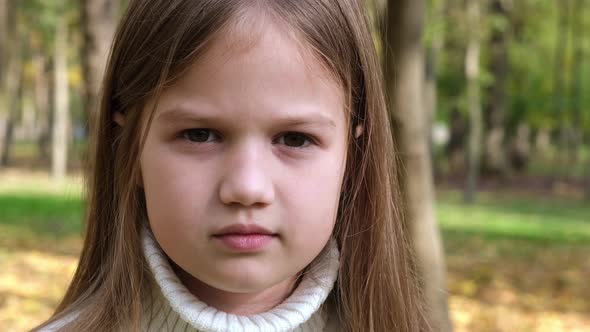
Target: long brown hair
155,43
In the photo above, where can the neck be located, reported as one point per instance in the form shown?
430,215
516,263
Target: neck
237,303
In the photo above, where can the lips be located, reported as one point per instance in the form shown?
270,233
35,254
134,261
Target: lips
243,229
244,237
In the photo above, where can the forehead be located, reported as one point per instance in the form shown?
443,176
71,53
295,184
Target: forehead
257,65
259,35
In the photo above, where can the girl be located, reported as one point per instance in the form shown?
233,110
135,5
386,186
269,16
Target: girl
242,176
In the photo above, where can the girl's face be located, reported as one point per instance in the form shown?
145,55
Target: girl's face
244,161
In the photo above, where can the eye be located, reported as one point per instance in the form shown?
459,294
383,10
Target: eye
295,140
199,135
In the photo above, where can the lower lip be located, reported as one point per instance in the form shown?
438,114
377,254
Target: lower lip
245,242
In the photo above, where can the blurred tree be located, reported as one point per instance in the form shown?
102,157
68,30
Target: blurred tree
42,87
519,87
530,83
472,73
98,25
451,87
434,48
495,151
4,34
404,73
455,149
559,76
52,27
5,31
578,30
62,125
14,95
10,46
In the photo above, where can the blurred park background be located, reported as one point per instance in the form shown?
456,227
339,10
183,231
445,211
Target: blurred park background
503,97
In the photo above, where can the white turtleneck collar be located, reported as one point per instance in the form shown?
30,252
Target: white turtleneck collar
177,309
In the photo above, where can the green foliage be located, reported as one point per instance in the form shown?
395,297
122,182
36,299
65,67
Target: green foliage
531,27
41,17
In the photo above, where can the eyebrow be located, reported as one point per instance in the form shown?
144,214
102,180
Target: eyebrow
184,115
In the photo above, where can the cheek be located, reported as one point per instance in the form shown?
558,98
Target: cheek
176,188
312,197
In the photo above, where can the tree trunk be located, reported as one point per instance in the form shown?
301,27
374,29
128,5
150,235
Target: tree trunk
43,93
543,144
26,130
3,34
5,27
15,91
9,80
404,72
473,100
61,127
455,149
495,153
520,148
577,72
559,79
98,25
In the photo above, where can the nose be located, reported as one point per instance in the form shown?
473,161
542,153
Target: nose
246,181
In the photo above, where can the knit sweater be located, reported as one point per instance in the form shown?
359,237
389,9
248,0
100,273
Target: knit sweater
175,308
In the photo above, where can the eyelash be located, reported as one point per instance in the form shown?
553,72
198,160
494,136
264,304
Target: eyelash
309,140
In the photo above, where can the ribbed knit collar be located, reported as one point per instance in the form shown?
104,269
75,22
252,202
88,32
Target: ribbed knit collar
301,311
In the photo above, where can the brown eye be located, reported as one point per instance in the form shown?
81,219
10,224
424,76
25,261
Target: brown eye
198,135
295,140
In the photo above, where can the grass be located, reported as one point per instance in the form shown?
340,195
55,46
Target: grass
514,262
36,212
543,220
45,206
43,213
